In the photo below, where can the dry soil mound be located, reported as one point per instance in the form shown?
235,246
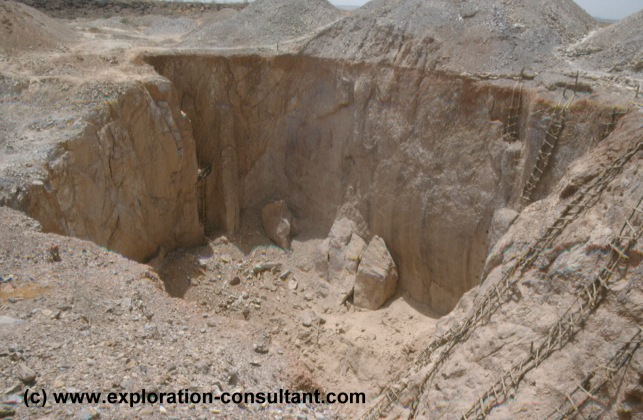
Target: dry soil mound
265,22
484,35
617,47
24,28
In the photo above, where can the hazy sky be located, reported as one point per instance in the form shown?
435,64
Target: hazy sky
607,9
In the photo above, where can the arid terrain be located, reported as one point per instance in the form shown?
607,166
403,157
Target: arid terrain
437,203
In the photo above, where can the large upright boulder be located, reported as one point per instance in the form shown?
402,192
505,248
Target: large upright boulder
341,252
376,278
278,223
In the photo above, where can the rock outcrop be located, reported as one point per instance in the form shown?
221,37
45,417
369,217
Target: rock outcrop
126,180
376,279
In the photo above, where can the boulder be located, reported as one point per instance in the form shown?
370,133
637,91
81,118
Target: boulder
25,373
376,278
341,251
338,239
278,223
354,251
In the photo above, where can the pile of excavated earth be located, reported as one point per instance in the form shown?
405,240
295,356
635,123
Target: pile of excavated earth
265,23
435,203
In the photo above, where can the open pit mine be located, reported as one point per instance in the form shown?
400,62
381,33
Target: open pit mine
434,205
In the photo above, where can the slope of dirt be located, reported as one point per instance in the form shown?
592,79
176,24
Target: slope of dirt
265,22
481,36
615,48
25,29
95,321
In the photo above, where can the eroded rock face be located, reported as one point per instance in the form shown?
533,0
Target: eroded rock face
500,223
553,291
278,223
376,278
128,182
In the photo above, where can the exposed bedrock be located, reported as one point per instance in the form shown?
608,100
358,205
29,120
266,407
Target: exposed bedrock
418,158
127,182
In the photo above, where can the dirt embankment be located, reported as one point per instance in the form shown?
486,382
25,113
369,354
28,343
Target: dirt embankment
24,29
265,22
481,36
616,48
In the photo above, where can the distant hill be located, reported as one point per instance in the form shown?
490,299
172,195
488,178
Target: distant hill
265,22
480,36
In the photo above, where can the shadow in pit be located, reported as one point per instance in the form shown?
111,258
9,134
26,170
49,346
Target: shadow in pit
420,308
178,268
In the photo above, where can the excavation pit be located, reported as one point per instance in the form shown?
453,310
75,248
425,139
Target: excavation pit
423,159
460,137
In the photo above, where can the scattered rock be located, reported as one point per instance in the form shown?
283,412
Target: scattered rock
8,321
11,390
202,367
151,331
376,278
6,411
310,318
234,281
54,253
25,374
278,223
88,414
284,275
265,267
262,346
